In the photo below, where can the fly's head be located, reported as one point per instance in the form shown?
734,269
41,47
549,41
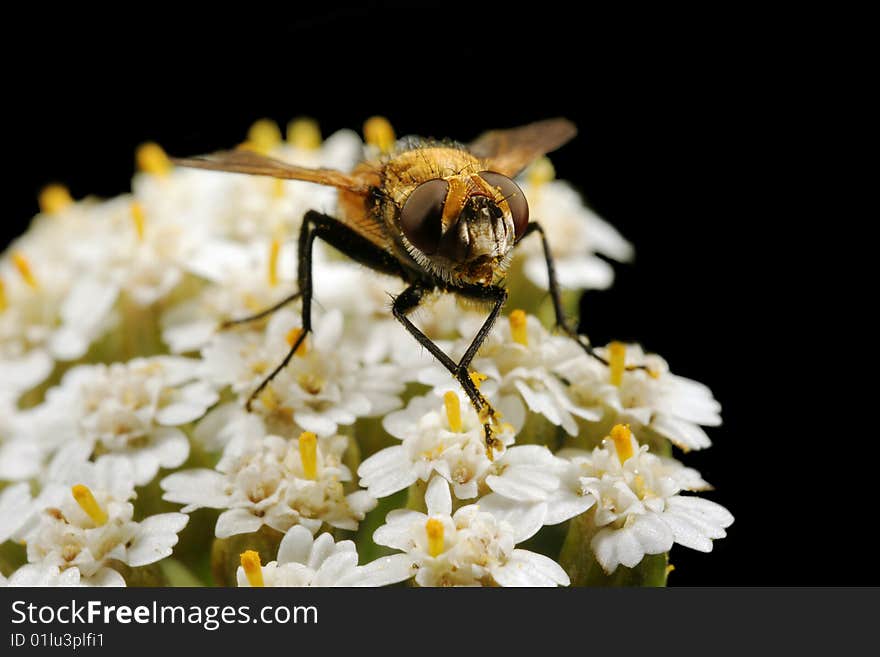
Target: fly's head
463,227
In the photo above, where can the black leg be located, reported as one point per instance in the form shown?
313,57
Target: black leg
263,313
561,321
337,234
409,300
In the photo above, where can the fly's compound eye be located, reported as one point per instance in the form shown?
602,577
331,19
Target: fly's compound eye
516,200
421,216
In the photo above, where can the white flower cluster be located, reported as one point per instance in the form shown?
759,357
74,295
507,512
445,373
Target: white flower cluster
123,394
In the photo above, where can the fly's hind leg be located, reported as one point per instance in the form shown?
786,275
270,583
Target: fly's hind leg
553,285
409,300
352,244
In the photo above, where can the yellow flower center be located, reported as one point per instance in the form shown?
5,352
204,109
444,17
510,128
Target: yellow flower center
453,411
308,453
23,265
434,529
304,133
54,199
89,504
291,338
139,219
274,252
150,158
541,172
263,136
378,132
253,569
622,437
518,327
617,362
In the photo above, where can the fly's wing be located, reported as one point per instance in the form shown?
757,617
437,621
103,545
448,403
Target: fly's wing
353,187
510,151
244,161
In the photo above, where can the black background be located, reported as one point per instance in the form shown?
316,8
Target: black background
685,125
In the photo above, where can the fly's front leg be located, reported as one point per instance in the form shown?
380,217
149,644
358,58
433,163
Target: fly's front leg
409,300
352,244
561,321
304,282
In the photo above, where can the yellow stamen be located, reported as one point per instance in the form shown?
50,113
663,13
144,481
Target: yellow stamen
622,437
541,172
453,411
277,187
4,302
150,158
89,504
477,378
304,133
669,569
308,453
274,252
291,338
378,132
54,199
434,528
518,327
139,218
617,362
23,265
270,399
264,135
253,569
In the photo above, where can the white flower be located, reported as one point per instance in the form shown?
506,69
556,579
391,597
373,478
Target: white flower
15,507
42,318
520,358
245,208
128,409
274,482
307,561
468,548
445,437
640,509
42,575
242,279
327,384
575,234
672,406
532,488
89,525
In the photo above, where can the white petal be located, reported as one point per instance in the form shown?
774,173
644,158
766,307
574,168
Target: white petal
295,546
381,572
106,577
564,505
530,569
437,497
335,568
525,518
684,434
172,447
236,521
20,460
156,537
14,500
628,546
196,489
